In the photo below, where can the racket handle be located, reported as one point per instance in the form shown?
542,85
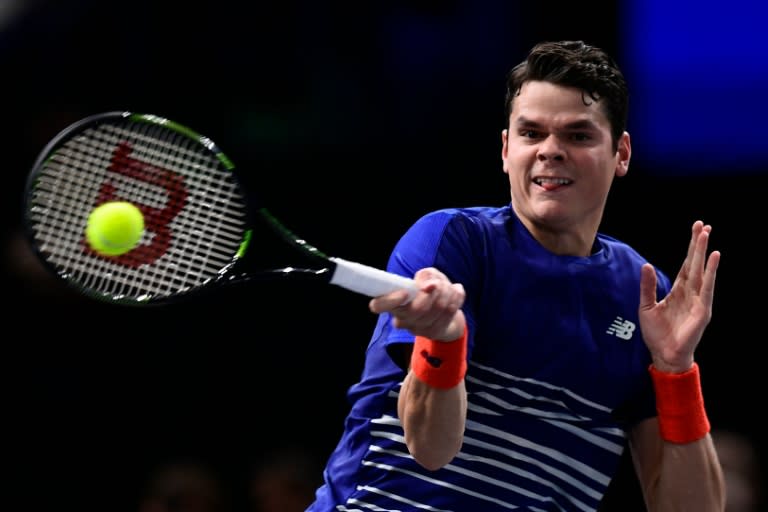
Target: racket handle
369,281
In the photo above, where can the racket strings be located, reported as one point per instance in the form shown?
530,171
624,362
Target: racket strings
195,214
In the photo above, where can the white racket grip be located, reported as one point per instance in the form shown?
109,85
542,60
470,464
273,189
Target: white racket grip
370,281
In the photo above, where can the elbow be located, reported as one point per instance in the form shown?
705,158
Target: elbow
435,456
431,464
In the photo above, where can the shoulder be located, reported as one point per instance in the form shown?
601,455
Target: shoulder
474,215
446,238
620,249
465,223
627,256
473,212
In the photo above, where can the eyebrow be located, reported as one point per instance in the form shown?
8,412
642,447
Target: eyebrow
581,124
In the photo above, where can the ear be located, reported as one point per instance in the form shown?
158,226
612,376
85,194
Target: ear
504,134
623,153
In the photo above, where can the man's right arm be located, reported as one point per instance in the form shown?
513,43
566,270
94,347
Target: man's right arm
432,405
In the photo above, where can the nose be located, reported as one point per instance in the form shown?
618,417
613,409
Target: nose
551,149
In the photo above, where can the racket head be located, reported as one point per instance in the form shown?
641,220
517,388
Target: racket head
197,219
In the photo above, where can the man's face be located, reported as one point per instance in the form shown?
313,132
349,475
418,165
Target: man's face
558,155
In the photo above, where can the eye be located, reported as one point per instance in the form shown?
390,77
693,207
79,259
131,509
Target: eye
530,134
580,136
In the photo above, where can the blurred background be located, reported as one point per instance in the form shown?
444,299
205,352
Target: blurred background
356,119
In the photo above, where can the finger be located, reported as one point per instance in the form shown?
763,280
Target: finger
708,285
430,305
435,325
431,314
696,269
685,269
426,280
451,297
695,230
647,287
389,301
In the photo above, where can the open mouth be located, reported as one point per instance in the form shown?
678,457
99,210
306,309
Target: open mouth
552,183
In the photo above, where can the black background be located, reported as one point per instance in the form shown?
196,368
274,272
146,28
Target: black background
356,120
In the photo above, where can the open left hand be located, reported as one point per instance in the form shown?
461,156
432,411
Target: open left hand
673,327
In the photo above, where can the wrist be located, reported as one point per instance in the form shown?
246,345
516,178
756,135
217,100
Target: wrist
676,367
680,405
440,364
452,335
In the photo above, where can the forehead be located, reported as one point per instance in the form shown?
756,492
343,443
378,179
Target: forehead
545,102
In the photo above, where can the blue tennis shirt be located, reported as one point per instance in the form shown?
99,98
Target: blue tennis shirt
558,373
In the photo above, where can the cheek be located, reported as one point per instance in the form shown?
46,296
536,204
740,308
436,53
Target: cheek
602,169
603,182
517,159
518,183
516,167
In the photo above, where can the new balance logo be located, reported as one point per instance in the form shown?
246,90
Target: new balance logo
621,328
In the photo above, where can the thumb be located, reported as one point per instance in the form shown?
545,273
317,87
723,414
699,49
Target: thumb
647,287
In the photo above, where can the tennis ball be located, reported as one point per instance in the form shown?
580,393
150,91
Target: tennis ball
114,228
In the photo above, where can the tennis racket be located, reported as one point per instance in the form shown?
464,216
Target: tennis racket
199,221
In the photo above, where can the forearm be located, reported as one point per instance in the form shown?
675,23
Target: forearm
433,420
690,478
433,400
688,474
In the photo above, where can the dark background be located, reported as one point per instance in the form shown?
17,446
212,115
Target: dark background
357,119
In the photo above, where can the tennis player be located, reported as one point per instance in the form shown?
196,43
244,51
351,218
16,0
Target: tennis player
538,349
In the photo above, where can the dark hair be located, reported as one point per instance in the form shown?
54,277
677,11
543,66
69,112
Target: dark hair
575,64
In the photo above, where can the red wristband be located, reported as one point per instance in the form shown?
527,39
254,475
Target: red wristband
440,364
680,404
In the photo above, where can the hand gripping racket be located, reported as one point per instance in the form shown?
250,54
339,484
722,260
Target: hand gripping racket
198,219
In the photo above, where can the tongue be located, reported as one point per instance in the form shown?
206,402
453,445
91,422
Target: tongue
550,186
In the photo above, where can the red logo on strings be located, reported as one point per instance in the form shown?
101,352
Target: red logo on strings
156,220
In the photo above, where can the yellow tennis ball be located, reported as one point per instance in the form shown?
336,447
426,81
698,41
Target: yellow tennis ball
114,228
